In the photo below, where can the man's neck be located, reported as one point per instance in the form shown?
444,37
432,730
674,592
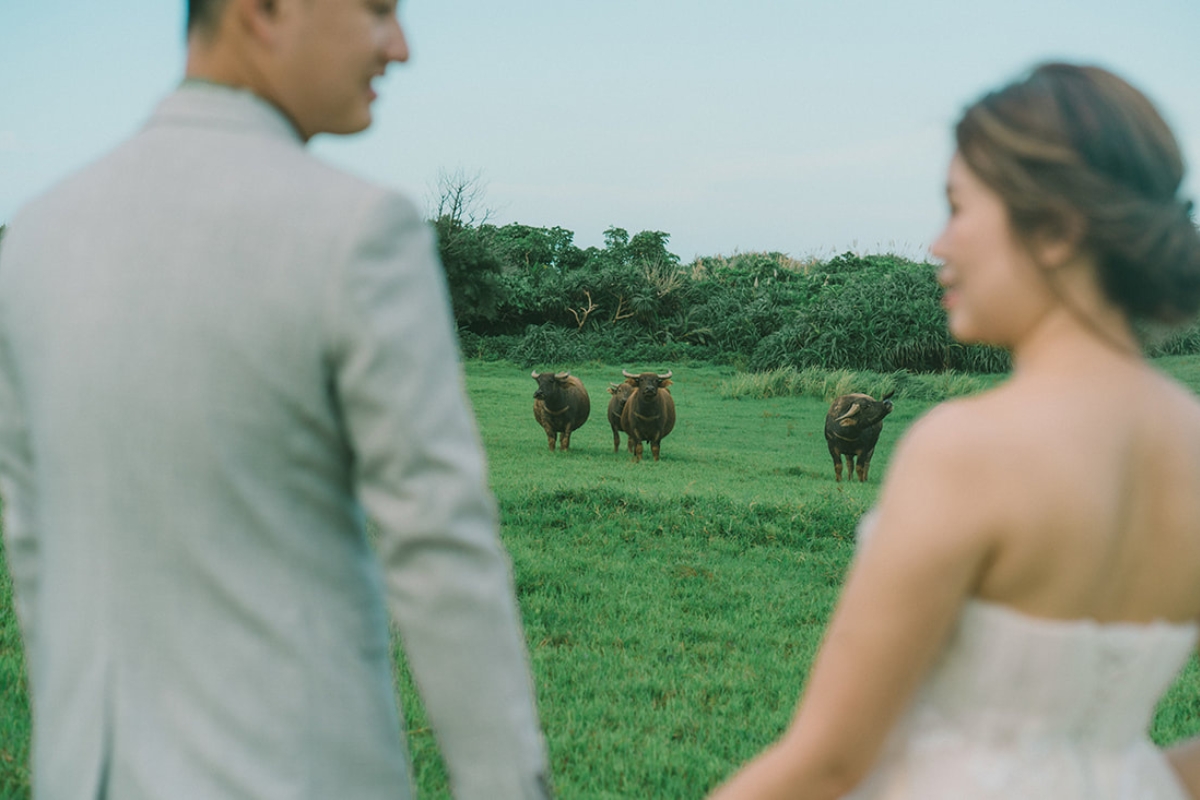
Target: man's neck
226,65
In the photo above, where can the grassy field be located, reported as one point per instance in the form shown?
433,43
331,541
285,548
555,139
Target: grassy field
671,608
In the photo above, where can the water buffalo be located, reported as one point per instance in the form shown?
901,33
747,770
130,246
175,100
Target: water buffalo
852,428
560,405
620,393
649,413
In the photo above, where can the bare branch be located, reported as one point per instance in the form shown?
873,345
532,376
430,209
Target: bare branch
458,195
618,315
581,320
665,278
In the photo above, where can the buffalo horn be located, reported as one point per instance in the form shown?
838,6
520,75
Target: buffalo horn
563,375
853,410
664,377
628,374
535,373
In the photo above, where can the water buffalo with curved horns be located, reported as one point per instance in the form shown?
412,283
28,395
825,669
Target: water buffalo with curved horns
649,413
852,429
560,405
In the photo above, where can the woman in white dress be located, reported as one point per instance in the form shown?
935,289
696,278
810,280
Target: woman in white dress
1029,582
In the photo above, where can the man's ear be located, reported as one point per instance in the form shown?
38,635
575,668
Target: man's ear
256,18
1059,240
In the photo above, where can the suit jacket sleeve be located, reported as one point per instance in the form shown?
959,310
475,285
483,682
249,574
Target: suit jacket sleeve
17,499
420,473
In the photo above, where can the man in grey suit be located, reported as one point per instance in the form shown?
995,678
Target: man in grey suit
218,356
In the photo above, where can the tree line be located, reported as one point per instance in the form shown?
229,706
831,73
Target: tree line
530,295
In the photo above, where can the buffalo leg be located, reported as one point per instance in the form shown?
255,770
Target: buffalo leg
637,450
566,438
654,449
864,464
837,466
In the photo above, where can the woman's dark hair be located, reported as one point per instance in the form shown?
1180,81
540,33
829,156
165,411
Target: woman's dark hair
1078,146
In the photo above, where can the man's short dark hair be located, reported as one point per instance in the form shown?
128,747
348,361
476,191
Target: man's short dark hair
202,14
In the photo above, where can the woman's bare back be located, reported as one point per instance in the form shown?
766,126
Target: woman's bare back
1103,486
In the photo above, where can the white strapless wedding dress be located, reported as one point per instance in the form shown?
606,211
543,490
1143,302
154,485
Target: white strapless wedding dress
1024,708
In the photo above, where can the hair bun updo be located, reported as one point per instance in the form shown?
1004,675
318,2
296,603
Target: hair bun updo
1079,140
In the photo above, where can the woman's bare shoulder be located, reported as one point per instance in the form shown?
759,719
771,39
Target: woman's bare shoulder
964,461
1169,413
1173,391
963,428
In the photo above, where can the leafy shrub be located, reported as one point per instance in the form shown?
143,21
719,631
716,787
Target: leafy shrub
873,313
550,344
629,345
487,348
472,270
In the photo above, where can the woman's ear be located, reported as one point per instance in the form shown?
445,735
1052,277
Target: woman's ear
1058,240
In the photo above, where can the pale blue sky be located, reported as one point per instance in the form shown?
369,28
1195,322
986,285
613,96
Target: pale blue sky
804,127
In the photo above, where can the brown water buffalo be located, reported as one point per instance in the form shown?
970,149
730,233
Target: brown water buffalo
852,428
560,405
620,393
649,413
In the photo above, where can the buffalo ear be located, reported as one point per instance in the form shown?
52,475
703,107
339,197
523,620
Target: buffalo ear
664,384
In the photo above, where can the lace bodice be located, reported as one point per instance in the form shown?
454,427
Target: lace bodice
1005,673
1023,707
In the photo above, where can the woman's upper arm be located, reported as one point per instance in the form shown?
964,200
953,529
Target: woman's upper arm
932,537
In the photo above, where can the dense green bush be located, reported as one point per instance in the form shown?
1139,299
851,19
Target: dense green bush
873,313
550,344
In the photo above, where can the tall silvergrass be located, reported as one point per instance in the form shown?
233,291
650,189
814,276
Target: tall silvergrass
828,384
1159,342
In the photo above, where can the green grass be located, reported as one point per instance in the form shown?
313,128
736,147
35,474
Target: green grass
14,698
671,608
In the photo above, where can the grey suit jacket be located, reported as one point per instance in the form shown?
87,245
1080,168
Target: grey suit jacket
217,356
